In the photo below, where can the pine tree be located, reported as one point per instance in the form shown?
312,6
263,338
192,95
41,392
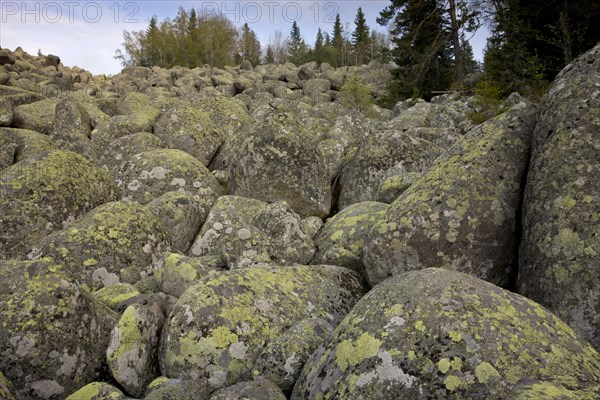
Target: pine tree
427,35
249,46
269,57
319,50
361,38
151,45
296,47
337,42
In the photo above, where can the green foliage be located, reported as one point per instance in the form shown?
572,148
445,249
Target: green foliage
188,40
421,50
192,40
361,38
249,46
357,94
269,56
488,98
297,49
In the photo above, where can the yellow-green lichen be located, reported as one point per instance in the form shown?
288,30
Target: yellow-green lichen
452,382
349,353
486,372
129,334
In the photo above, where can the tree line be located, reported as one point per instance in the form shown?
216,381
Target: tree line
427,43
529,43
192,40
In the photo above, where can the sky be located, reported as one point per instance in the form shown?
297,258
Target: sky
87,33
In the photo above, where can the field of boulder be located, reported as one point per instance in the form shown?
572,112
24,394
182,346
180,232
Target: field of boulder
249,233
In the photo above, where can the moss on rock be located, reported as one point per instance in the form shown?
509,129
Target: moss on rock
19,144
37,116
97,391
219,326
114,295
442,334
132,352
7,391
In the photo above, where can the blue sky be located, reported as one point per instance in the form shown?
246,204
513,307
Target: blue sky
87,33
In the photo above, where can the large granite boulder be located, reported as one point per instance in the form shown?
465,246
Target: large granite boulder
560,251
439,334
54,334
342,239
44,193
219,326
276,159
191,130
382,155
463,213
148,175
115,242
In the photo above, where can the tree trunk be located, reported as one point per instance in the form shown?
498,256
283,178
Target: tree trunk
458,59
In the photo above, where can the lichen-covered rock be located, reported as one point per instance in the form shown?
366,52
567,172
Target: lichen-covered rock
7,391
175,389
45,192
288,243
395,185
132,352
276,159
124,148
260,389
114,295
383,154
228,115
54,335
115,242
182,215
282,360
560,251
228,216
220,325
71,128
6,112
19,144
136,113
535,389
191,130
37,116
150,174
442,334
97,391
175,273
462,214
314,87
343,237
